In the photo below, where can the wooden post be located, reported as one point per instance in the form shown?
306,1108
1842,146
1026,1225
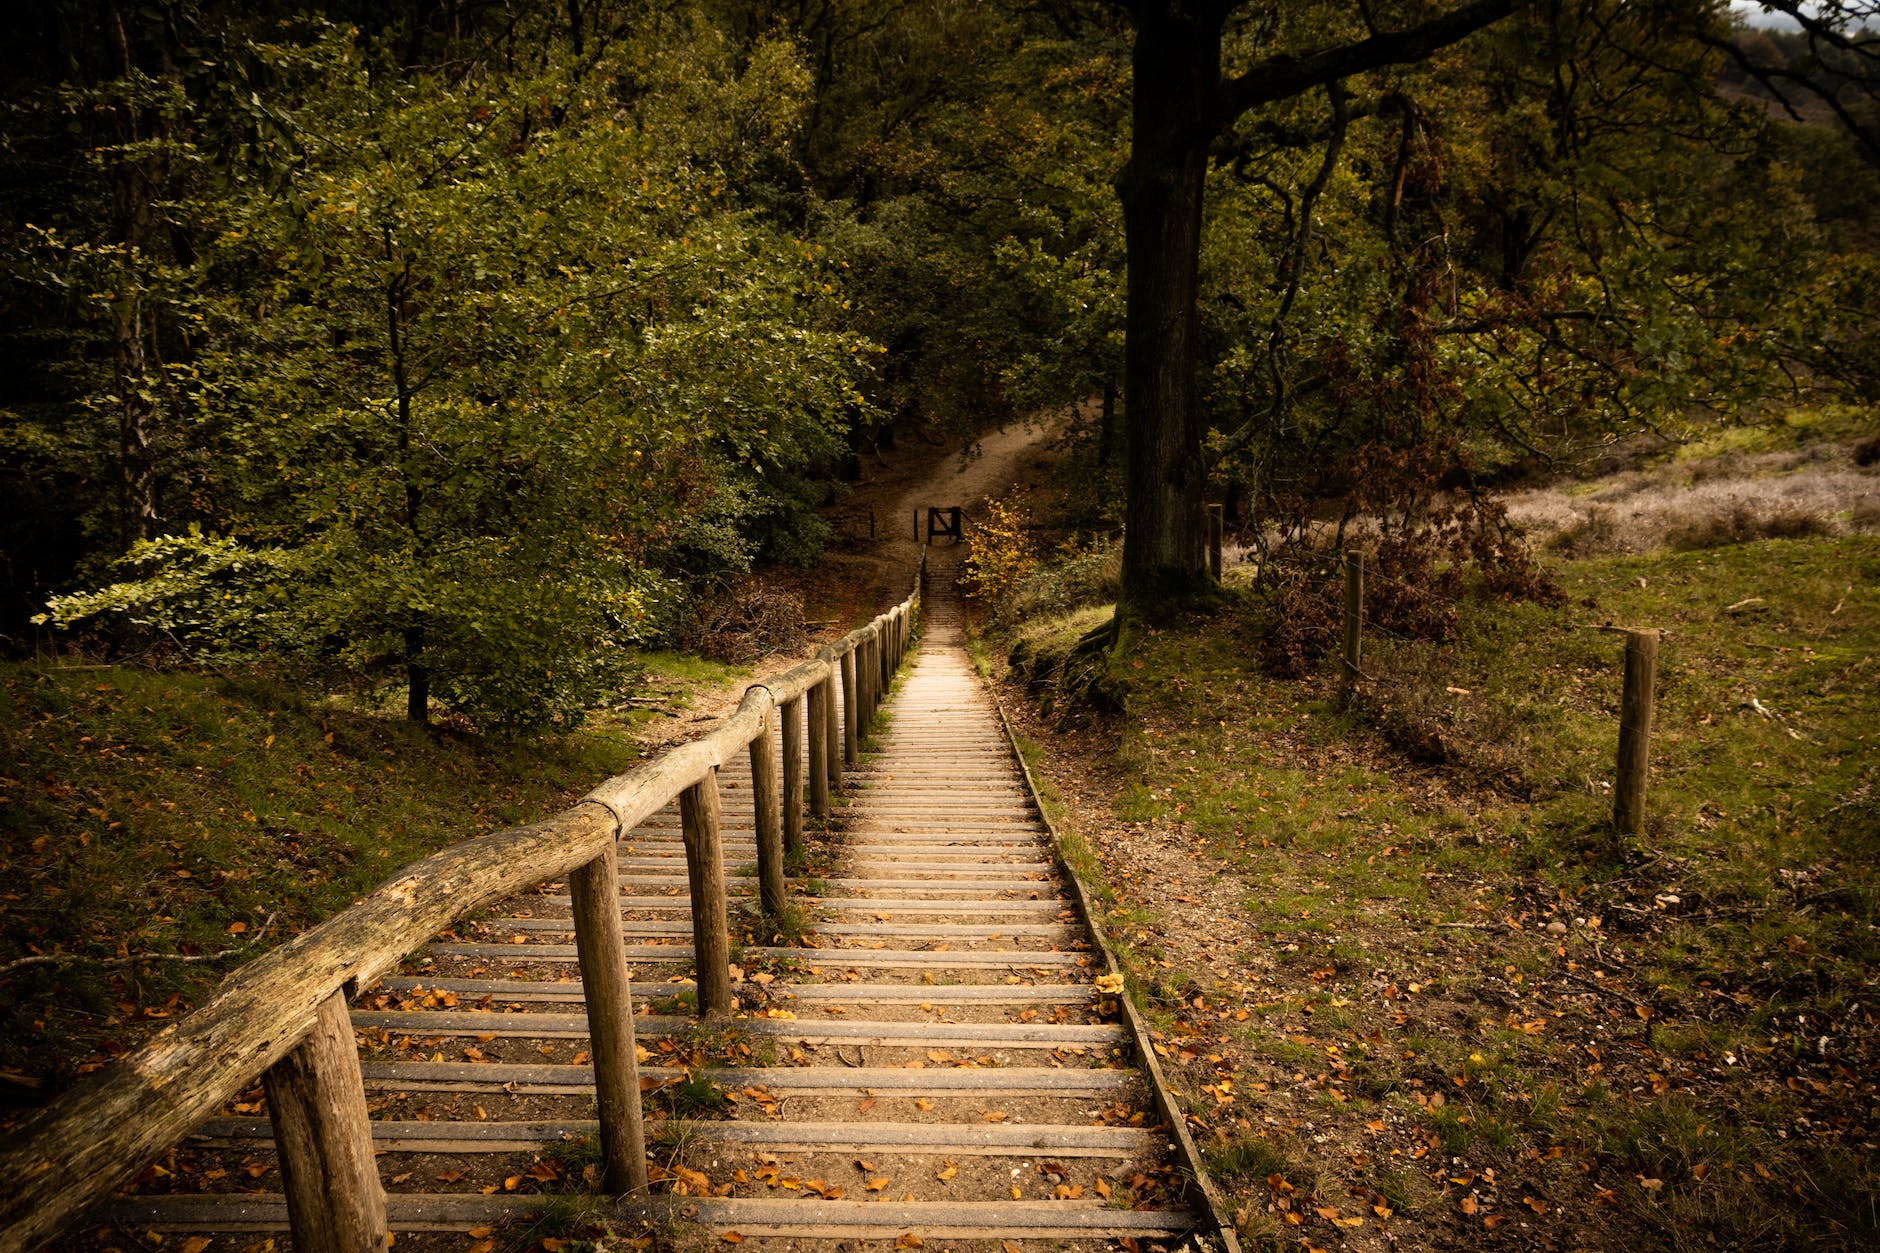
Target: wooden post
1354,615
792,715
607,987
769,818
851,711
865,672
323,1133
832,729
1635,730
818,698
1217,530
705,874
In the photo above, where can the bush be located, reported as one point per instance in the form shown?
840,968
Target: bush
1002,552
1743,523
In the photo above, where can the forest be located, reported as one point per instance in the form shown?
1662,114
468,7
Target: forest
461,348
412,413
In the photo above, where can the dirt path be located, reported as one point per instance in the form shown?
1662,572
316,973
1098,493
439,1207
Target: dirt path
858,579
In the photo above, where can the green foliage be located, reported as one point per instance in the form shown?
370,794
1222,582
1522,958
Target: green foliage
496,371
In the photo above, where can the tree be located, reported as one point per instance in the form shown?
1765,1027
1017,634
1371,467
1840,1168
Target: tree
498,367
1200,67
1184,102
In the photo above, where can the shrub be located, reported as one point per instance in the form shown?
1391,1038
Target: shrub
1003,552
1741,523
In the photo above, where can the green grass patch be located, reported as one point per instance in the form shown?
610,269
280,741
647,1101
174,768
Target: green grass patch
165,813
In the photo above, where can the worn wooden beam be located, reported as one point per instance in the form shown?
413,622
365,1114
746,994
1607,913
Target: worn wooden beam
323,1134
791,715
705,872
607,988
851,712
768,820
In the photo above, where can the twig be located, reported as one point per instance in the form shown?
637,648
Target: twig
1600,987
48,959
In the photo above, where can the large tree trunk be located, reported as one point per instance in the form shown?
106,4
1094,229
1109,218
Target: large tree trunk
1177,72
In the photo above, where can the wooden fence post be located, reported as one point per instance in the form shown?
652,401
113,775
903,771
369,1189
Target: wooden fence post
818,698
769,818
1353,660
792,715
607,987
851,711
323,1133
832,728
1217,531
1635,730
865,683
705,874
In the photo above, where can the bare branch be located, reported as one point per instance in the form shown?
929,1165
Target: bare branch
133,959
1283,77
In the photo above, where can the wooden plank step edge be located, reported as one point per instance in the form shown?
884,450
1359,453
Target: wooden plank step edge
941,1139
927,1080
805,1219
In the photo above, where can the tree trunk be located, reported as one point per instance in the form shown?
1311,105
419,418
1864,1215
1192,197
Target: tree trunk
1177,72
418,678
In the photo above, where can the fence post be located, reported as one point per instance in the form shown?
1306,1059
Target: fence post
851,728
607,987
818,698
1635,730
769,818
323,1134
1354,617
792,715
705,875
832,728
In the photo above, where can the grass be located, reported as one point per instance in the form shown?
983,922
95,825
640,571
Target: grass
145,812
1688,1058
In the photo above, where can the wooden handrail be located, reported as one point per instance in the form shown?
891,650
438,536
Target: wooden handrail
70,1154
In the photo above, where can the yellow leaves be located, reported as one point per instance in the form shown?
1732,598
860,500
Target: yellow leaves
878,1183
731,1237
1109,985
910,1241
923,1104
947,1172
195,1244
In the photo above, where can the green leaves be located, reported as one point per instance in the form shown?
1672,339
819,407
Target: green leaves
504,364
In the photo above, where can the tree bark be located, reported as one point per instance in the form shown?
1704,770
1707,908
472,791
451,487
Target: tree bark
1177,72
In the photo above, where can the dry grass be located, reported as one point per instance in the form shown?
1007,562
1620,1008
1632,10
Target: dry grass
1705,503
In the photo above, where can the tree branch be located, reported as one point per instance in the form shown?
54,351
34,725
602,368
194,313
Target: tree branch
49,959
1283,77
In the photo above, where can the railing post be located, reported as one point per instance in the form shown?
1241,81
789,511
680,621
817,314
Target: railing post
769,817
851,711
705,874
792,715
818,698
864,686
1635,730
607,987
323,1134
832,726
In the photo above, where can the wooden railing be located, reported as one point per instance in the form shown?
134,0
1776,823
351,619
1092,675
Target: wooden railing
283,1017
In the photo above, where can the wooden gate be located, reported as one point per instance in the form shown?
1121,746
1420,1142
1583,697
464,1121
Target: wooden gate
946,521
